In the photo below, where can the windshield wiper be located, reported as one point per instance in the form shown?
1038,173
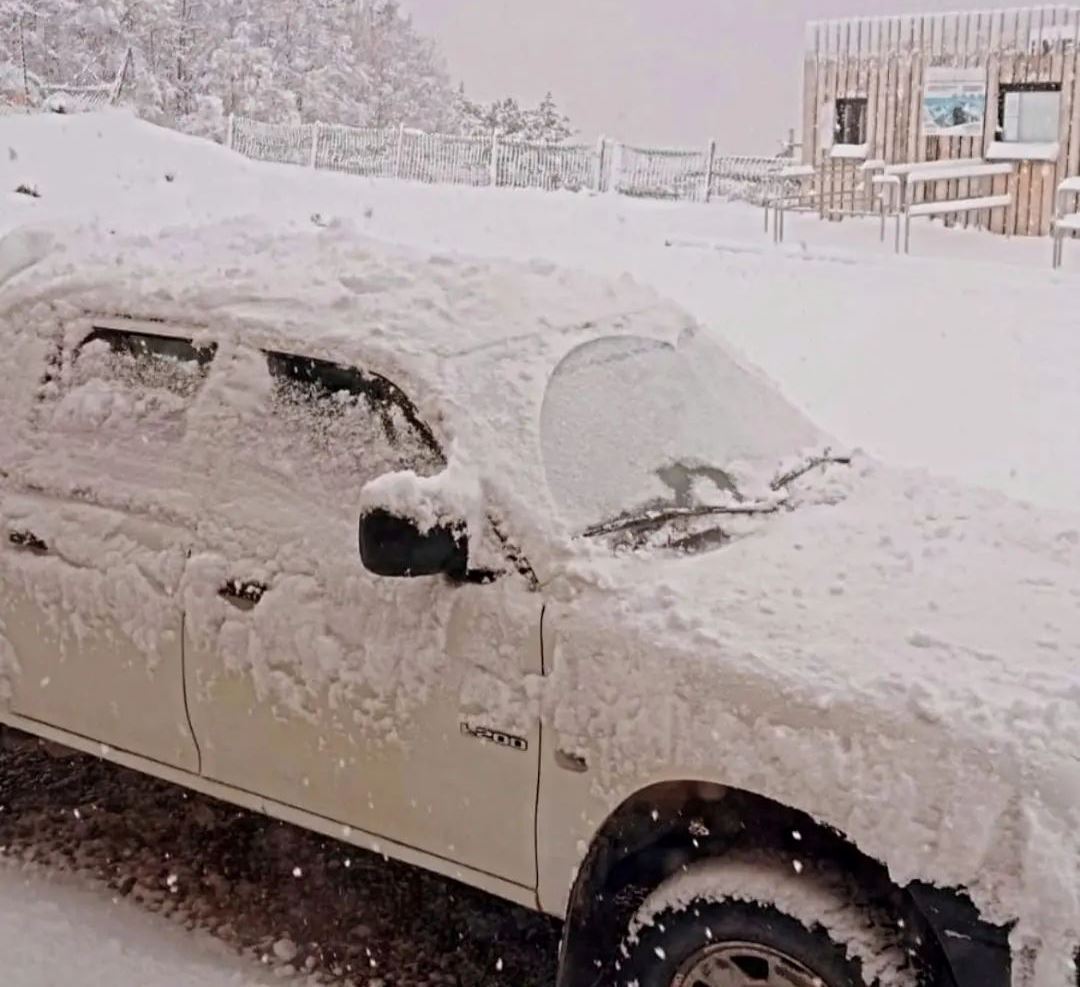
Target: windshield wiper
785,479
656,517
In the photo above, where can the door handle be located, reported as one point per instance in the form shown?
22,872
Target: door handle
28,541
241,593
571,762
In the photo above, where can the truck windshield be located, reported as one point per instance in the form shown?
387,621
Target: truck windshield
635,426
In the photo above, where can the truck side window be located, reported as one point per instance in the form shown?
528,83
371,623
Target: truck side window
130,383
349,425
138,359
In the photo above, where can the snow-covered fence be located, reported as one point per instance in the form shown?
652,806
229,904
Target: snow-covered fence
70,98
445,159
744,176
370,152
77,99
281,143
546,166
662,174
696,176
400,152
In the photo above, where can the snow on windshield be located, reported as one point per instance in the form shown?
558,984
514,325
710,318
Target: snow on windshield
629,422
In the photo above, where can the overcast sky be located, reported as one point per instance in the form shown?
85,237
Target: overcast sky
659,71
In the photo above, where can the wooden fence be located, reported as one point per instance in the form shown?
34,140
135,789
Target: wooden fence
884,60
693,175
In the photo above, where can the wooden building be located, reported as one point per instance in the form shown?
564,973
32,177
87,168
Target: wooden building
1003,85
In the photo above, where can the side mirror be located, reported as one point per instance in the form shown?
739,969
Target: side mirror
394,546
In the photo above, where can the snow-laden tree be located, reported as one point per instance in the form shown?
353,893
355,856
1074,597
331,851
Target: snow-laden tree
404,79
358,62
542,124
548,123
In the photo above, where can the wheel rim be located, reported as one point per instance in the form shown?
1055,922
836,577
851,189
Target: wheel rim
744,964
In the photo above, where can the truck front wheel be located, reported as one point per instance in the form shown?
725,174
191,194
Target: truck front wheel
760,923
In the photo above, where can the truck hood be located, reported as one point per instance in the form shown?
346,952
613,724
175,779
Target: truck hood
949,604
898,656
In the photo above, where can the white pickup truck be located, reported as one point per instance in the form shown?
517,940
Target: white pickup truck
522,577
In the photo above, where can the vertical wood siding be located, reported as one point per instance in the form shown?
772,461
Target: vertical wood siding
884,60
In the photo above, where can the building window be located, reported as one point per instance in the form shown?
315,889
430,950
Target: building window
850,126
1029,113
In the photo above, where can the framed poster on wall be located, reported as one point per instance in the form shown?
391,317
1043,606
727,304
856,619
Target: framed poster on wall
954,102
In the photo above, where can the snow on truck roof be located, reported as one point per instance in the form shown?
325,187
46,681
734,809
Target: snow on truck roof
380,293
331,293
472,343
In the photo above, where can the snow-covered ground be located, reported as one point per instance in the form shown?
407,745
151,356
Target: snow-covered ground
54,932
957,358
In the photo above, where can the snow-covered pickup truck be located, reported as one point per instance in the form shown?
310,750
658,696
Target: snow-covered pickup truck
522,577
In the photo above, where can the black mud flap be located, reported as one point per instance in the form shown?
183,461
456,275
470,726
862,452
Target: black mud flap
977,951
